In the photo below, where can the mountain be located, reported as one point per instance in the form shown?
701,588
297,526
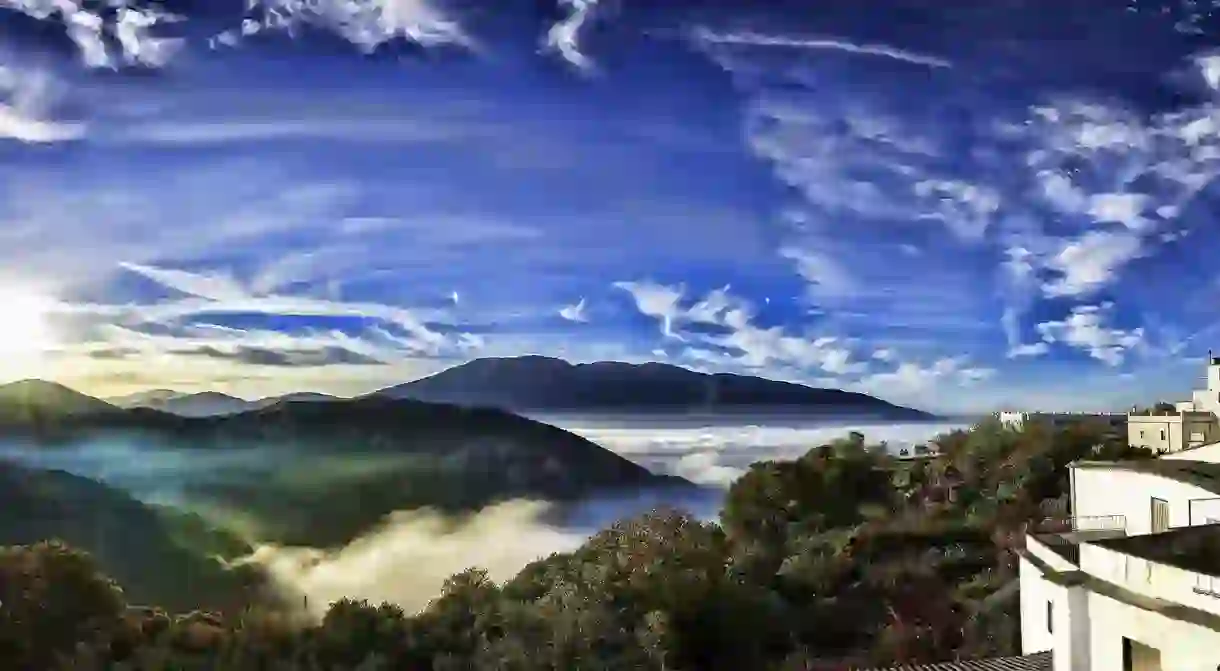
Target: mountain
200,404
42,405
545,384
297,397
321,473
150,398
208,403
355,461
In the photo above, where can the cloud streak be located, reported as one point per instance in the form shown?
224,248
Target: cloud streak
751,39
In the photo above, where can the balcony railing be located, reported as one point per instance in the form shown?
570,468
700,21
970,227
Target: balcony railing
1080,524
1207,585
1204,511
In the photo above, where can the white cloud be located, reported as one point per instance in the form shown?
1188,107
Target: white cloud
131,26
826,277
133,29
1028,350
25,101
655,300
365,24
776,351
1086,329
1123,208
214,287
966,209
235,129
750,39
1090,262
219,294
575,313
563,38
910,380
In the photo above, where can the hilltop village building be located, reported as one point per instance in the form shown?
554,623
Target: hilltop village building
1185,425
1166,428
1130,580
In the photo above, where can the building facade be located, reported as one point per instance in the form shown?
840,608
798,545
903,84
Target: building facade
1133,584
1183,425
1172,431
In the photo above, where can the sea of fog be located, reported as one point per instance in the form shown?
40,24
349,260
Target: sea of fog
408,557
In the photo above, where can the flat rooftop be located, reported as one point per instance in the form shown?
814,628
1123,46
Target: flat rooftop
1201,474
1039,661
1067,544
1194,548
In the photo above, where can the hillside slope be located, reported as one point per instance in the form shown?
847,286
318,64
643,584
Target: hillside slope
133,542
321,473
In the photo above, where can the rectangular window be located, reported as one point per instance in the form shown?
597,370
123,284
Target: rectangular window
1141,433
1162,434
1050,617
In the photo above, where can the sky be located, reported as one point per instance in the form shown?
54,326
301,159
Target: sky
958,206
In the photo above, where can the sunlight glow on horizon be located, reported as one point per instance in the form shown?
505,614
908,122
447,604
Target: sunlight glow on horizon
25,329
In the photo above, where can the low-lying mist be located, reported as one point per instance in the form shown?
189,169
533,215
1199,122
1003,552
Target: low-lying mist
407,559
718,454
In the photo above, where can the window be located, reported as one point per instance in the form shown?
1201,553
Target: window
1050,617
1162,434
1141,433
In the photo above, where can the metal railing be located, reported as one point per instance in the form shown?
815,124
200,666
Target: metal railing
1207,585
1204,511
1081,523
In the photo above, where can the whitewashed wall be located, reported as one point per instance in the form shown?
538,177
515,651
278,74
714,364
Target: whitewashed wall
1183,646
1162,433
1099,491
1063,628
1151,579
1035,593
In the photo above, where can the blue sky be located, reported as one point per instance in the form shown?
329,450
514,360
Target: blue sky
956,208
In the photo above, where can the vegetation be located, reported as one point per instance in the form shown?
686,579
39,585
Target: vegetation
844,556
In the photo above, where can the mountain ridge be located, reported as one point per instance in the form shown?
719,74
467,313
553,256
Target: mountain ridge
451,458
540,384
543,384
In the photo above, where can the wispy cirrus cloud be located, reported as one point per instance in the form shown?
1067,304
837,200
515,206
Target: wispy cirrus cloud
577,312
26,99
753,39
1053,201
563,37
722,329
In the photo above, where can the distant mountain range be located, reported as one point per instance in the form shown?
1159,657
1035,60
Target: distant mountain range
538,384
446,457
208,403
541,384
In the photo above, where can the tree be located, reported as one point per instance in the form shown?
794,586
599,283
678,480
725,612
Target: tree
53,598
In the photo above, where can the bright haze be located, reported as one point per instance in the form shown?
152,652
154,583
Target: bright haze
955,206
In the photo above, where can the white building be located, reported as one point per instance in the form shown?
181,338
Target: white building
1189,424
1134,583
